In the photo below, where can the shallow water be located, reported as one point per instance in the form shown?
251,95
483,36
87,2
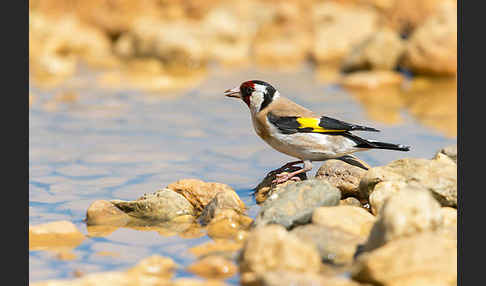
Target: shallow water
119,144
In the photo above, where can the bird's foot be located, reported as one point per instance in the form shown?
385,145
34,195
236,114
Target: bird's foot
282,178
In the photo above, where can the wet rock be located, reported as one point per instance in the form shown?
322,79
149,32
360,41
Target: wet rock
294,204
266,188
218,247
371,79
271,248
213,267
422,259
432,47
334,244
351,219
342,175
104,212
351,201
227,224
277,278
438,175
222,201
163,205
449,151
339,27
381,51
54,235
154,270
404,214
197,192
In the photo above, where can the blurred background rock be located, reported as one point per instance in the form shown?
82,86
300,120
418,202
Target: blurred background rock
166,44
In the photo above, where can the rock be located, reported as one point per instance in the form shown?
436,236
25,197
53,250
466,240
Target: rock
449,151
351,219
197,282
449,216
381,51
432,47
438,175
227,224
163,205
151,271
271,248
294,204
342,175
266,188
104,212
338,28
216,247
197,192
222,201
422,259
277,278
54,235
213,267
371,79
404,214
382,191
351,201
334,244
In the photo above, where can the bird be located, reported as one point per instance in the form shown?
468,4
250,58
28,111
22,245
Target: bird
299,132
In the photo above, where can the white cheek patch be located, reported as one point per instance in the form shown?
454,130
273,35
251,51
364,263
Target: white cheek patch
256,100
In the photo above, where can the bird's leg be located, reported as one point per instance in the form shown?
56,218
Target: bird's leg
288,165
285,177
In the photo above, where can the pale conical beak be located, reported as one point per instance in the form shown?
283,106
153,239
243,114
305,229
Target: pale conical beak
235,92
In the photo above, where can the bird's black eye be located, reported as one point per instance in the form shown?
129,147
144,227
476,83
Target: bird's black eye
246,90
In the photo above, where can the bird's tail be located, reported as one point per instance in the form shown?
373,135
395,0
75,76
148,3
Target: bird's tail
382,145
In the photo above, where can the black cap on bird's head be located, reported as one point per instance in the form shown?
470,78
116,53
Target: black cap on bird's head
255,93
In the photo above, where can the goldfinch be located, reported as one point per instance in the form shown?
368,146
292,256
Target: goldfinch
298,132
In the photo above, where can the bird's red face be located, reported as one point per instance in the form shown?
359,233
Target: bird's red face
244,91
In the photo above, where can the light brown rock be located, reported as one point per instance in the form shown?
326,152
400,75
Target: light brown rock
449,151
54,235
339,27
105,212
432,48
351,219
222,201
381,51
438,175
449,216
404,214
422,259
213,267
227,224
371,79
342,175
215,247
334,244
151,271
277,278
197,192
270,248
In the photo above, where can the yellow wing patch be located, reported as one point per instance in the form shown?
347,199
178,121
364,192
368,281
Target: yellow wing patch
306,122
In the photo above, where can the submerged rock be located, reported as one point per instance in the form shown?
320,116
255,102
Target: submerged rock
438,175
213,267
228,224
163,205
422,259
294,204
54,235
271,248
104,212
154,270
371,79
405,214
